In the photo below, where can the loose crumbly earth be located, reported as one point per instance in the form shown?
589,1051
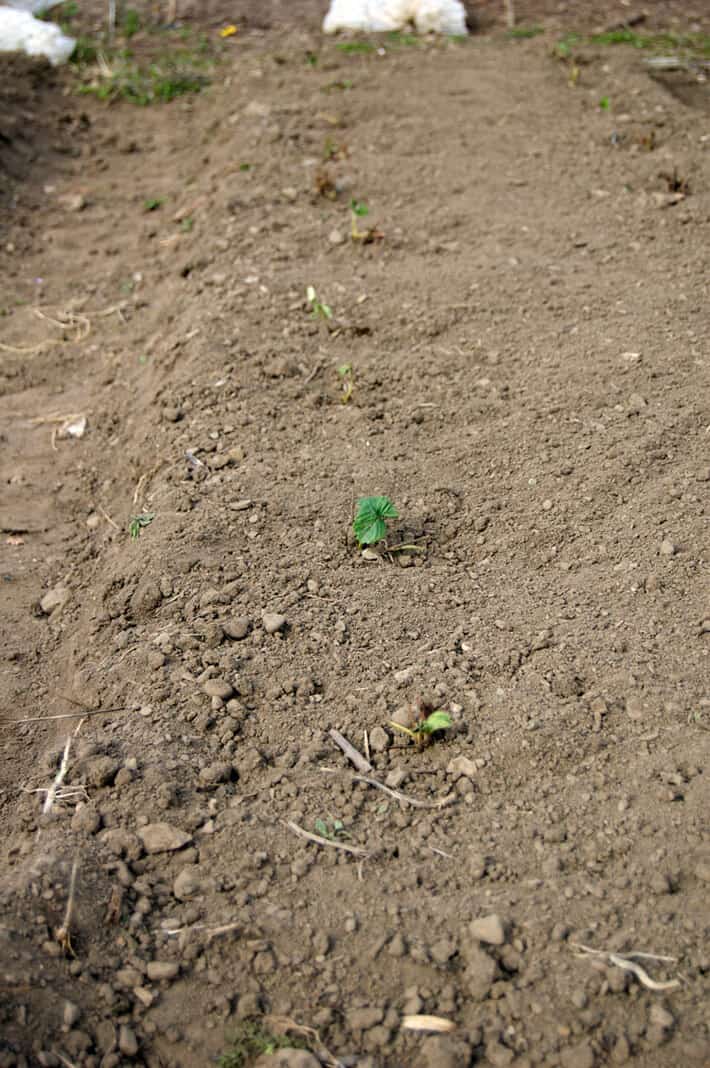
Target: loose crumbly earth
529,344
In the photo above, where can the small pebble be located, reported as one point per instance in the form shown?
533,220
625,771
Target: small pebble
488,929
273,622
668,548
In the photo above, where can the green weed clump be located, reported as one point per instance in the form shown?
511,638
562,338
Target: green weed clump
250,1041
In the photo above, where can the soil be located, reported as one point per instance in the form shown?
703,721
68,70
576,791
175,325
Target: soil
528,338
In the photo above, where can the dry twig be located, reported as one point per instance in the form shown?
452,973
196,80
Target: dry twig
318,839
63,933
627,962
396,794
351,752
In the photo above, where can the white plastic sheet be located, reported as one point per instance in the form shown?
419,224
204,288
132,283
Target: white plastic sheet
21,32
381,16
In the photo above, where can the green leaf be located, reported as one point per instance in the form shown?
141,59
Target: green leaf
437,721
138,522
358,207
369,523
321,828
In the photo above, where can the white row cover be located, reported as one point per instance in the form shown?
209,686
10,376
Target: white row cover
381,16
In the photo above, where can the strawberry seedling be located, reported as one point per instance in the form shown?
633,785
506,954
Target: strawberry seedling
369,524
423,731
319,310
347,381
138,522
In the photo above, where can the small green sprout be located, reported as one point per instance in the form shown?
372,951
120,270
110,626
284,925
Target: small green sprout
369,524
330,829
319,310
422,732
153,203
138,522
244,167
604,103
359,208
347,379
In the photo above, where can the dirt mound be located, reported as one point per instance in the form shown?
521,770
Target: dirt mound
508,340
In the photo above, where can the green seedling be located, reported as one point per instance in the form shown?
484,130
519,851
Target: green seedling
359,208
369,525
522,33
251,1040
347,381
244,167
319,310
423,731
338,86
353,48
187,224
131,23
604,103
138,522
330,829
153,203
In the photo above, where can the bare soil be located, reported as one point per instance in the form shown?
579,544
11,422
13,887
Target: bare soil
528,340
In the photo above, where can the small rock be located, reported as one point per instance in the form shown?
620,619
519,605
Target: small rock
480,972
702,870
101,771
162,838
634,707
54,600
127,1041
498,1055
398,946
72,201
273,622
70,1014
216,773
172,415
218,688
488,929
335,237
462,765
287,1058
395,778
188,883
159,970
668,548
128,977
364,1019
445,1051
106,1035
237,629
379,740
86,820
661,1017
579,1056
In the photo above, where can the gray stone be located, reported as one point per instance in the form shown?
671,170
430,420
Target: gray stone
287,1058
238,628
216,773
162,838
489,929
273,622
101,771
70,1014
54,599
661,1017
127,1041
86,820
218,688
480,972
462,765
379,740
668,548
159,970
579,1056
365,1018
445,1051
188,883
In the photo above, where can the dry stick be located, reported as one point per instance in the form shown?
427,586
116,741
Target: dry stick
629,965
319,840
59,778
108,518
351,752
509,14
415,802
63,933
67,715
403,797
